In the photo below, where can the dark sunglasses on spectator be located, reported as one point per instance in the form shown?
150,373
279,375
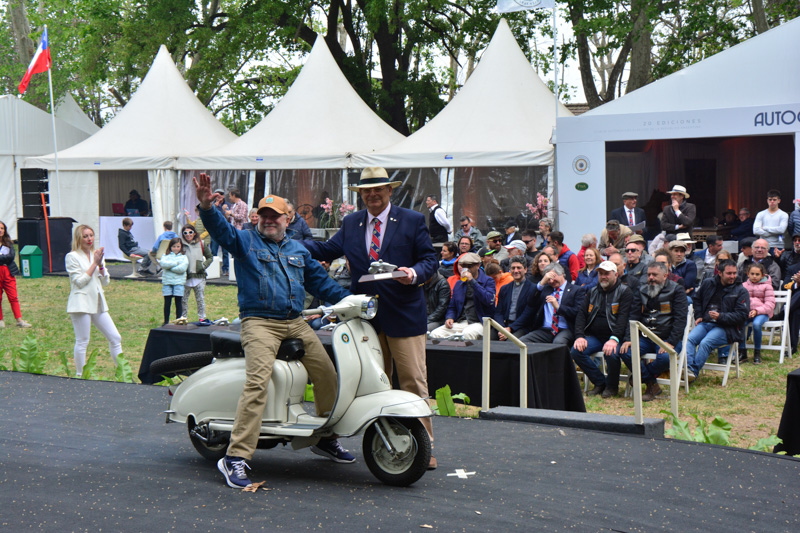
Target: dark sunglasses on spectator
464,225
528,241
631,250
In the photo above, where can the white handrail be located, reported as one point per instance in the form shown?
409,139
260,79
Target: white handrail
674,377
488,324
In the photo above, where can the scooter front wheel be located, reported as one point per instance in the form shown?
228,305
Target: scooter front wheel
410,458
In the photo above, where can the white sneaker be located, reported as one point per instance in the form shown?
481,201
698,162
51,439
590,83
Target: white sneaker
22,324
2,324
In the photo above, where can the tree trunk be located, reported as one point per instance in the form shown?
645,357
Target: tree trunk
759,16
21,31
640,48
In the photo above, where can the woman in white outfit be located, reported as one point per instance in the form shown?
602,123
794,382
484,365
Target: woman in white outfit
87,302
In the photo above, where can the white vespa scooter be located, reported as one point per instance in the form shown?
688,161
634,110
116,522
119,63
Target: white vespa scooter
396,446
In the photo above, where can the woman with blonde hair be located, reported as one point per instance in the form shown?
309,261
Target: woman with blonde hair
87,303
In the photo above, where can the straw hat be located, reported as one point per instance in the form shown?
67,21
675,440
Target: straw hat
374,177
680,189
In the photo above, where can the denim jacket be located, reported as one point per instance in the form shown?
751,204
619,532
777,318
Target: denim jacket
272,276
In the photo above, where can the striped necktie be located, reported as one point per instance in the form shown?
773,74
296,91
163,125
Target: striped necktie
554,322
375,245
630,217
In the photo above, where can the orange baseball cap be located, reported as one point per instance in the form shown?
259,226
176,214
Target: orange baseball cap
276,203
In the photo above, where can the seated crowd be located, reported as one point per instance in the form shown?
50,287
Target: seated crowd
533,285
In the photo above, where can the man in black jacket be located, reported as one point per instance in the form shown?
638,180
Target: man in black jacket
551,310
664,308
437,298
601,326
513,298
721,306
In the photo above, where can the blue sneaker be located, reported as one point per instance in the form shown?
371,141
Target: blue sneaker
332,449
233,470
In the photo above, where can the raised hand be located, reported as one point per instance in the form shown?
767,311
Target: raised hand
205,196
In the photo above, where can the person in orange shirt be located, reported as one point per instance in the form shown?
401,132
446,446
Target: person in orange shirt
500,278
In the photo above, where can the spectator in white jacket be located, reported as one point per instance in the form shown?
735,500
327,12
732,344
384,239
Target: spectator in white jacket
87,303
771,223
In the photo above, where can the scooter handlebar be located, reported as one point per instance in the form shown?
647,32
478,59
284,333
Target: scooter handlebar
315,311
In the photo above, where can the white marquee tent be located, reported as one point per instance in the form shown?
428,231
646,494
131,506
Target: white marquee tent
162,121
727,128
25,130
306,141
70,112
490,146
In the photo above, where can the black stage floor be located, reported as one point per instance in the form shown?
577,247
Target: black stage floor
80,455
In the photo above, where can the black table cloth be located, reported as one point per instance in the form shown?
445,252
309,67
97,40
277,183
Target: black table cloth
789,428
552,380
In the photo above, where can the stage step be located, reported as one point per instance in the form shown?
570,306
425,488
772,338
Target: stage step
652,428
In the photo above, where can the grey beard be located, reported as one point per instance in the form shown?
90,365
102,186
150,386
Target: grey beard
653,290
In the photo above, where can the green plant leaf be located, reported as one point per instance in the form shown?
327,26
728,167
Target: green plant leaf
444,400
679,429
767,443
31,358
461,396
719,431
88,368
124,373
62,355
166,382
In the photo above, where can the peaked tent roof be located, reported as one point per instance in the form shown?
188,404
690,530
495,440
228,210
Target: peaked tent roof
27,130
162,121
760,71
317,124
503,116
69,111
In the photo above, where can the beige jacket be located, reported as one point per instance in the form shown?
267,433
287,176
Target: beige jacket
86,293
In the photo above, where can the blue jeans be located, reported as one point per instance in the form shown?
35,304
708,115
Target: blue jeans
214,249
705,337
587,364
650,371
757,323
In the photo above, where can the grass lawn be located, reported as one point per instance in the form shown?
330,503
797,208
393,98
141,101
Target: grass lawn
752,404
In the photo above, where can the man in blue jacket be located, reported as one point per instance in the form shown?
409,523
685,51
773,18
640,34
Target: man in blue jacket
398,236
552,309
473,299
513,298
272,273
298,225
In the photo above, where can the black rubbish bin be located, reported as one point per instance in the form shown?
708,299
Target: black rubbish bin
33,231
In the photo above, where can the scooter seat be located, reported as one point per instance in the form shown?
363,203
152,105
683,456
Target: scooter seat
229,344
226,344
291,350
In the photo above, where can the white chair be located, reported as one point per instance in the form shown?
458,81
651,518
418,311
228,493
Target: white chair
600,361
733,358
771,327
133,259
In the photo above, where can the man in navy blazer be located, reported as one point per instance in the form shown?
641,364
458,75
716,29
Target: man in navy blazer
398,236
546,307
629,212
504,313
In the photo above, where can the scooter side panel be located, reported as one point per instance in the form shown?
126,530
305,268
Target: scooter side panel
348,369
373,377
366,409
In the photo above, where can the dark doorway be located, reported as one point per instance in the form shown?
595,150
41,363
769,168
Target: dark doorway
702,175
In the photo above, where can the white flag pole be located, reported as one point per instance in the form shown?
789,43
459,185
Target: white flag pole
555,59
55,142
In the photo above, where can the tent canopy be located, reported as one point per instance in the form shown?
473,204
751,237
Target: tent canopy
316,125
502,116
27,130
760,71
70,112
162,121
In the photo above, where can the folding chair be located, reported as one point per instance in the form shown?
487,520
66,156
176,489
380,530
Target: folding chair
600,361
733,357
771,327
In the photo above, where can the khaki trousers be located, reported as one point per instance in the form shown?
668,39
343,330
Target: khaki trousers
408,354
261,338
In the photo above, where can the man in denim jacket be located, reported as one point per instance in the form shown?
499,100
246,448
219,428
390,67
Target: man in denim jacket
272,272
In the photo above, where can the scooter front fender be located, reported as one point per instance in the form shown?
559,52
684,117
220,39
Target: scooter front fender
366,409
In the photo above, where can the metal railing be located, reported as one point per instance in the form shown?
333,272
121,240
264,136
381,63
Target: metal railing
488,324
674,376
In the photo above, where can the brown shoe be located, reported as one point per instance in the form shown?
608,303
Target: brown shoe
610,392
433,464
652,392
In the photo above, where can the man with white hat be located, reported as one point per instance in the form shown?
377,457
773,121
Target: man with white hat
399,236
680,215
602,326
515,248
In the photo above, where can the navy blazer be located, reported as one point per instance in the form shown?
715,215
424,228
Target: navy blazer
407,243
503,308
533,317
619,214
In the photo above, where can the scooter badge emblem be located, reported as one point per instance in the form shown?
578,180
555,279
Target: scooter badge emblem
345,338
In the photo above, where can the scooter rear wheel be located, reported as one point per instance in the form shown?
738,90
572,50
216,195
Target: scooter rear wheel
408,466
210,444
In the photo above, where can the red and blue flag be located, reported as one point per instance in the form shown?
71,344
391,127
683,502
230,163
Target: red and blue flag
40,62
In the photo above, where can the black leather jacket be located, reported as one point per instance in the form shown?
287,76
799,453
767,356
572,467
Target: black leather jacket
437,298
616,305
734,308
668,320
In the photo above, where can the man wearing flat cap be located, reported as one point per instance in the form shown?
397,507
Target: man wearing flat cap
398,236
629,215
613,237
679,216
473,299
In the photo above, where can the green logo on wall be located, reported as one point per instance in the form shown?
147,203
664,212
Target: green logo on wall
581,186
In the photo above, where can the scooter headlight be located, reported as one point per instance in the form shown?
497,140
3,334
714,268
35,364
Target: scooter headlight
369,308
